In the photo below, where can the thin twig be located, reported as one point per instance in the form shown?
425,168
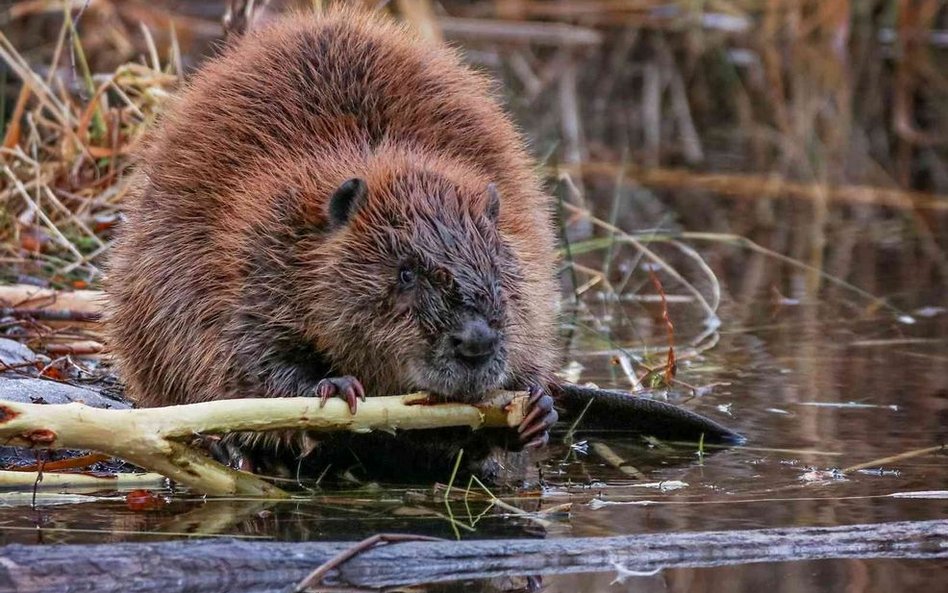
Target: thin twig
368,543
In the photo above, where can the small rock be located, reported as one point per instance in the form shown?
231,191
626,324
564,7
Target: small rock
15,354
32,391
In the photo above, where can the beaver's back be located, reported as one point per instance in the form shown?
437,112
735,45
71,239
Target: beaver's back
321,87
291,108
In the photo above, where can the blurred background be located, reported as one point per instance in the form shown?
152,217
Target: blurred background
816,129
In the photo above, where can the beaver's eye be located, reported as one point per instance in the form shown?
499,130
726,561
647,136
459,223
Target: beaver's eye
406,277
440,277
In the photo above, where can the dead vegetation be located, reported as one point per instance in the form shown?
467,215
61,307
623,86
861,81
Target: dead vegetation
66,156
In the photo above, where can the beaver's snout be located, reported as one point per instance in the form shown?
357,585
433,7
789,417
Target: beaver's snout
476,342
466,362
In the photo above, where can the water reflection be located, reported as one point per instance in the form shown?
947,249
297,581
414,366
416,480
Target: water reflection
866,576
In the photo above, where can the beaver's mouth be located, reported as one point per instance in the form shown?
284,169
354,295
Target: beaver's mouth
458,381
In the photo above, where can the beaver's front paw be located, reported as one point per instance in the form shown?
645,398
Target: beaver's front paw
534,429
228,450
275,454
347,388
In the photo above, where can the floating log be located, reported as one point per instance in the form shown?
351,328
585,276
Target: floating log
219,565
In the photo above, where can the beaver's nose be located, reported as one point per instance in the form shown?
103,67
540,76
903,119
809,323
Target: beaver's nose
476,342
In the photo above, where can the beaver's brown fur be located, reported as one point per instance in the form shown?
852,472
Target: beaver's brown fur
238,273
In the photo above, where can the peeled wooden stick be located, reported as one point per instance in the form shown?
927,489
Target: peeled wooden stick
24,296
156,438
25,480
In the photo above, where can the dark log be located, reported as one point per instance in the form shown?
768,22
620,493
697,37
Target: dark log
218,565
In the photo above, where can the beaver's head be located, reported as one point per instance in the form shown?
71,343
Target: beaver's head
416,285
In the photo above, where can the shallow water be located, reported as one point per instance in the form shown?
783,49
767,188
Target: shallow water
811,388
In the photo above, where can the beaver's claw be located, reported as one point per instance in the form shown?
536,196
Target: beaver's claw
229,452
534,429
347,388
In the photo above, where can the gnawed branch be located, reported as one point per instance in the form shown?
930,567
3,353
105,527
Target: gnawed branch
158,439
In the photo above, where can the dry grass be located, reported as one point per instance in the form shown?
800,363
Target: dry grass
66,157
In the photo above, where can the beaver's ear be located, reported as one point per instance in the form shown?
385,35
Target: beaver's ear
493,203
346,200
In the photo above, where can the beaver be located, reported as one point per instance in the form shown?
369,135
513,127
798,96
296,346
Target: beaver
335,207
